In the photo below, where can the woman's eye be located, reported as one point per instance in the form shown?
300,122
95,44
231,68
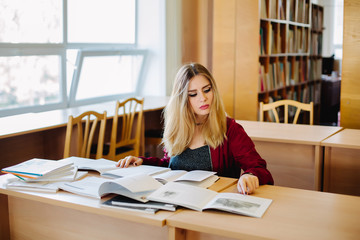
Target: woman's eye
207,90
192,94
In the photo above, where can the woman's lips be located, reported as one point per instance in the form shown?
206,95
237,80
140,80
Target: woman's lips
204,107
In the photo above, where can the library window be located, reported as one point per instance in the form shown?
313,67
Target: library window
55,53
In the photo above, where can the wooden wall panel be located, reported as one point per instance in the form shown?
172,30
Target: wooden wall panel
350,82
196,31
246,61
224,50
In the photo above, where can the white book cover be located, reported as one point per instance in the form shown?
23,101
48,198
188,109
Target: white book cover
200,199
134,170
137,186
100,165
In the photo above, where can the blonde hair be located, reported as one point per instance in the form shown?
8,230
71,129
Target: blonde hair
179,116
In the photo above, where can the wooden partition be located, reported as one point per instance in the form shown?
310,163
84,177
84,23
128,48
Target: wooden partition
350,84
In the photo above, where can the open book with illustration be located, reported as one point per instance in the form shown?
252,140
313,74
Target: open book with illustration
135,186
200,199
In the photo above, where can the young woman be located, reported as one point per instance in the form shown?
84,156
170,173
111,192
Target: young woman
199,135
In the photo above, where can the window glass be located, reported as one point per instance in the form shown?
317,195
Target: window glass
101,21
35,21
29,81
108,75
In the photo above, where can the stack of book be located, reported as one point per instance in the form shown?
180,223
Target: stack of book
41,174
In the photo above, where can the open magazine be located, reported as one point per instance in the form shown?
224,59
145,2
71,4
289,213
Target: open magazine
200,199
135,186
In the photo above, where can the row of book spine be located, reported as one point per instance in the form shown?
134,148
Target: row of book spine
272,42
281,74
276,9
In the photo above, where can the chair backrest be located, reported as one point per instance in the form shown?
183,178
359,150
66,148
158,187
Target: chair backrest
128,137
286,103
86,124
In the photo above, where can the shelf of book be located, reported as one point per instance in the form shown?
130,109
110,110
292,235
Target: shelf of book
290,52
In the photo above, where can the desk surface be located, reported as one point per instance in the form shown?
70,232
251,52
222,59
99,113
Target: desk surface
347,138
32,122
288,133
293,214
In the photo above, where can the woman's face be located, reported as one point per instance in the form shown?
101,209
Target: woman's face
200,96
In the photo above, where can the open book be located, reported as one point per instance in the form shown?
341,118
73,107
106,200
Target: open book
100,165
200,199
198,178
134,170
136,186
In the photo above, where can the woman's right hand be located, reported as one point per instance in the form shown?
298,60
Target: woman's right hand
125,162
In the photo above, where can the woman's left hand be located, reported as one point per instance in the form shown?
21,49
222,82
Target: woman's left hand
247,184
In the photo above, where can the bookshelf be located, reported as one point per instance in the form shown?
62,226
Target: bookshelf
290,52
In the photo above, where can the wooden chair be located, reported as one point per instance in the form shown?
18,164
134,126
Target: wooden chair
286,103
126,140
86,124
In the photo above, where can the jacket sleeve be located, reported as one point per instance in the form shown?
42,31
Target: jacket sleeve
163,162
245,155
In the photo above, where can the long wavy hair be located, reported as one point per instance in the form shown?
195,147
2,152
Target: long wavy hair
179,123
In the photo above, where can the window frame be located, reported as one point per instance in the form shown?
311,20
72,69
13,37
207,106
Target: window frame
91,53
59,49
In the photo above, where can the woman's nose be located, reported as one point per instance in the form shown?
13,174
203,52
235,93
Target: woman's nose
203,96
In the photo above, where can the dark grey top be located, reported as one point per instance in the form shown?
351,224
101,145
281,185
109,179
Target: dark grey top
192,159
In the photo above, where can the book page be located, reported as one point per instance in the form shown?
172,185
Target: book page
169,176
134,170
88,186
183,195
100,165
240,204
196,175
137,183
208,182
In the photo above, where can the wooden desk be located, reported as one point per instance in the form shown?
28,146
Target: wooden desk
42,135
64,215
292,152
293,214
342,162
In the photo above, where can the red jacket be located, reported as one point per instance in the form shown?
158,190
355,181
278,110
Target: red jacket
236,153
